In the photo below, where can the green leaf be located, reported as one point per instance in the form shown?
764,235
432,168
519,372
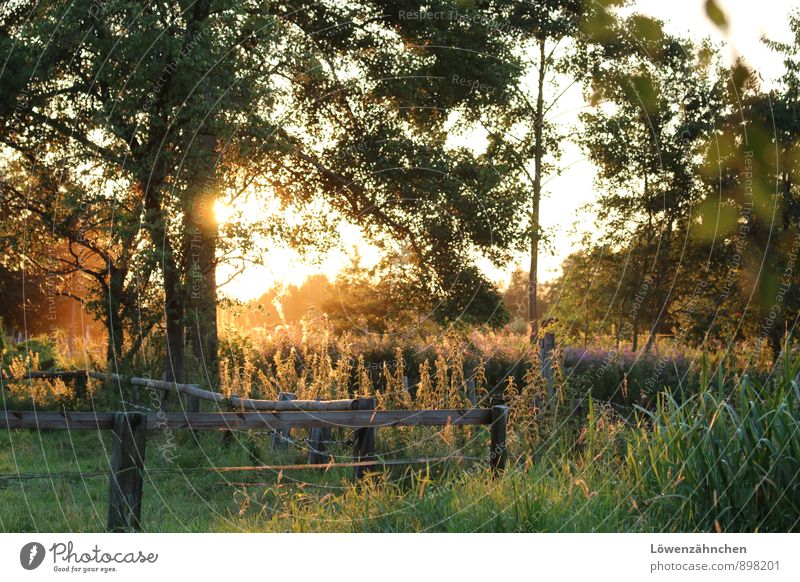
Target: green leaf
716,15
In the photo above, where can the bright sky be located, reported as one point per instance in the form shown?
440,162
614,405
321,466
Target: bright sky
748,21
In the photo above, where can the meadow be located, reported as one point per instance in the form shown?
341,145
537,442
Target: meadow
706,447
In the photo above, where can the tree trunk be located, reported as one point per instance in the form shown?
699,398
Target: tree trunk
641,294
202,304
661,296
775,339
200,247
173,292
174,313
586,330
533,277
200,230
115,338
113,317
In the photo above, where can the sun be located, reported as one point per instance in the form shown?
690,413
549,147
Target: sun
222,211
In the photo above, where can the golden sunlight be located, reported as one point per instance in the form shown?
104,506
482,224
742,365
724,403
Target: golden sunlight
281,265
222,212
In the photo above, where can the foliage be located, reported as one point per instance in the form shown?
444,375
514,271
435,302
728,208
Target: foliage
42,348
627,379
325,113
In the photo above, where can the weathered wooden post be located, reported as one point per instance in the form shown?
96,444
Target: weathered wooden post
280,438
546,346
127,468
364,441
163,394
469,385
497,451
318,444
134,392
192,401
81,382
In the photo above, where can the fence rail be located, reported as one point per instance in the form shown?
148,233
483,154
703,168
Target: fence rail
194,392
250,420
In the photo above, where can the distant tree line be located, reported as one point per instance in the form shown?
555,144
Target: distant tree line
698,228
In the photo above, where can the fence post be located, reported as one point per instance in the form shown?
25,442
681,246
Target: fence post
364,441
546,346
497,451
135,392
317,444
163,394
127,466
469,384
193,402
81,383
280,438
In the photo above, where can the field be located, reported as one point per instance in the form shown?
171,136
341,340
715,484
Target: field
534,266
725,456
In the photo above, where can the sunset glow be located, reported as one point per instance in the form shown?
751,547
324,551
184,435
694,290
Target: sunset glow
564,218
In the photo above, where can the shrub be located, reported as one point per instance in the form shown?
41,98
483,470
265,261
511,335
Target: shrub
625,378
45,350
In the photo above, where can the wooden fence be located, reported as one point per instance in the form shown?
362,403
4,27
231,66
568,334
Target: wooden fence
130,435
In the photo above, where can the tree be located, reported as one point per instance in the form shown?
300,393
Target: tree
585,298
657,100
756,213
524,137
78,241
182,103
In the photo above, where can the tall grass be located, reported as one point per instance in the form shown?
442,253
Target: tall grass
723,462
714,455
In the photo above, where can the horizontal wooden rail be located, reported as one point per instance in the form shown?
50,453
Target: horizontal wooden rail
62,375
190,389
286,405
251,420
198,392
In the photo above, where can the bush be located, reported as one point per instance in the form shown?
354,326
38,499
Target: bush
43,347
627,379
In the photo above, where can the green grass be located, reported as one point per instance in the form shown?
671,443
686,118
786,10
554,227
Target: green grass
721,460
459,497
724,462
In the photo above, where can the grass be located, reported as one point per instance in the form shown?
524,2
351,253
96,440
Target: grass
181,493
456,497
725,458
724,462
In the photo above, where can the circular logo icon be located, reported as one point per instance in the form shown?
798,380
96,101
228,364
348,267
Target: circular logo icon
31,555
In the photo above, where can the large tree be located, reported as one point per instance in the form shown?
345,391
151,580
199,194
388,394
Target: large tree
524,133
319,101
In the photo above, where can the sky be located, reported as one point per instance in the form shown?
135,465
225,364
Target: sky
564,196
